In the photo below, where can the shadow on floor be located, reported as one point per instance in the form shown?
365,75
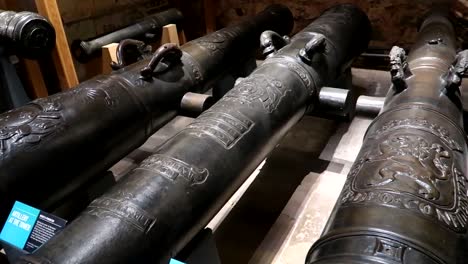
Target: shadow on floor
247,224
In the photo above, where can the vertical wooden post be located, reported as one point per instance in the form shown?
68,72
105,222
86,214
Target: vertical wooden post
182,38
169,34
61,54
35,79
210,15
108,55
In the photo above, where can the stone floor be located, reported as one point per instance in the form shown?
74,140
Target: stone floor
287,205
301,222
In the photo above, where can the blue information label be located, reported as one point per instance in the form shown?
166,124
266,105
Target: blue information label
19,224
27,228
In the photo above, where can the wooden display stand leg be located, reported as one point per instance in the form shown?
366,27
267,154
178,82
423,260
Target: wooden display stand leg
182,38
109,55
61,55
170,35
35,79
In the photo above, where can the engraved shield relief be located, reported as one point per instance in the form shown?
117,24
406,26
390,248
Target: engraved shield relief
29,124
258,89
414,170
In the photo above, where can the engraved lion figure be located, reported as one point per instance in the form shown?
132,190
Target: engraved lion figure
412,161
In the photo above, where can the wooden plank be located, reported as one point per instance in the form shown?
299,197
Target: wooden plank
169,34
34,78
182,38
109,54
61,54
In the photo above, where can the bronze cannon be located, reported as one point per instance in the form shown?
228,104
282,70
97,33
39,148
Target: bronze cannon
28,34
84,50
155,209
51,146
405,198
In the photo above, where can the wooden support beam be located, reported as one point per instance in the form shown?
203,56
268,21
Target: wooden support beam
109,55
169,34
210,15
182,38
34,78
61,55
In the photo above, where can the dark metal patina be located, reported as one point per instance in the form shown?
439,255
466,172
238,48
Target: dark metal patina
27,34
83,50
155,209
53,145
405,199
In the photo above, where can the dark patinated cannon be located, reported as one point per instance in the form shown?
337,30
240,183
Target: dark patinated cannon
52,145
28,34
83,50
405,198
158,207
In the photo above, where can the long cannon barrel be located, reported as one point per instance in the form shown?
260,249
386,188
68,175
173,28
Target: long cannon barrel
83,50
155,209
28,34
405,198
51,146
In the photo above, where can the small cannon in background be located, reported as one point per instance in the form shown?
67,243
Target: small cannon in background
84,50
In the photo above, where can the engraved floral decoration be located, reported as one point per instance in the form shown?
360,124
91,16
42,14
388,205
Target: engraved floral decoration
43,117
420,124
296,68
28,125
